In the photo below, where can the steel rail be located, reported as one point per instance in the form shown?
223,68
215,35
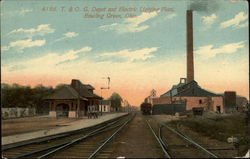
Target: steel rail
96,132
189,139
62,145
160,138
58,136
57,146
159,141
108,139
37,151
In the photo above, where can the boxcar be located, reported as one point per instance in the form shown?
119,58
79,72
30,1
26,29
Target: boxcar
146,108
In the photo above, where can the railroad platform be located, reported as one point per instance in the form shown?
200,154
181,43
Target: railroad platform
76,125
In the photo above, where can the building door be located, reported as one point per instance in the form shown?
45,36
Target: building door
62,110
218,109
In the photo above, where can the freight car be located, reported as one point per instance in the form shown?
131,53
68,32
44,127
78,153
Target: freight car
146,108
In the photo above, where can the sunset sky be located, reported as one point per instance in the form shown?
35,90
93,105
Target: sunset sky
49,43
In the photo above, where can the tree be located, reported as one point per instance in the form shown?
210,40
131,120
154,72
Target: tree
16,96
59,86
116,100
25,97
39,93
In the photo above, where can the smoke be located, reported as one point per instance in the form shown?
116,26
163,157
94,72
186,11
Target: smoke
204,5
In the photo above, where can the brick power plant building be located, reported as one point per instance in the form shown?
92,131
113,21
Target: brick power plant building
188,94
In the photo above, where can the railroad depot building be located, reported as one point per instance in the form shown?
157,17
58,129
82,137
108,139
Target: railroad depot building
72,100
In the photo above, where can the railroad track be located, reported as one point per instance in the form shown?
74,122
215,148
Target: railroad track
226,151
175,144
81,144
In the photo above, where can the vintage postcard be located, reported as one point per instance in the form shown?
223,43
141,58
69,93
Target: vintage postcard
124,78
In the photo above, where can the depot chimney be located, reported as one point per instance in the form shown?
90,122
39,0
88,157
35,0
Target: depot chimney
190,59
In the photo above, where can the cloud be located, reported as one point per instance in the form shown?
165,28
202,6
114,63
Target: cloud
170,16
70,34
22,44
131,24
25,11
132,55
165,18
243,25
127,74
123,75
208,20
40,30
67,35
236,21
70,55
49,61
209,51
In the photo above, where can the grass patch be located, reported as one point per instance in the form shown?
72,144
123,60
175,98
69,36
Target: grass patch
220,127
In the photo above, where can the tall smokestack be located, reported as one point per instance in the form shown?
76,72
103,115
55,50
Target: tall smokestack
190,58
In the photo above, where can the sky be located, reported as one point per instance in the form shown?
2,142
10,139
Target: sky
139,44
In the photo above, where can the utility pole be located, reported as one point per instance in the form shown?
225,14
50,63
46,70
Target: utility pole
108,78
78,102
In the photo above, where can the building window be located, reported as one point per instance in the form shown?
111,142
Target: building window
200,101
104,109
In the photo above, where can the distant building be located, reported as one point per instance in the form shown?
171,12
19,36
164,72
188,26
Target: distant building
193,95
241,103
105,106
152,95
230,101
124,105
234,102
72,100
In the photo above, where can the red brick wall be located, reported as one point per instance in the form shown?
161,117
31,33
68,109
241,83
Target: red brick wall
193,102
162,100
206,102
218,101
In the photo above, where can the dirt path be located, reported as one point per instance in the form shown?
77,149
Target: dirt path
136,141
